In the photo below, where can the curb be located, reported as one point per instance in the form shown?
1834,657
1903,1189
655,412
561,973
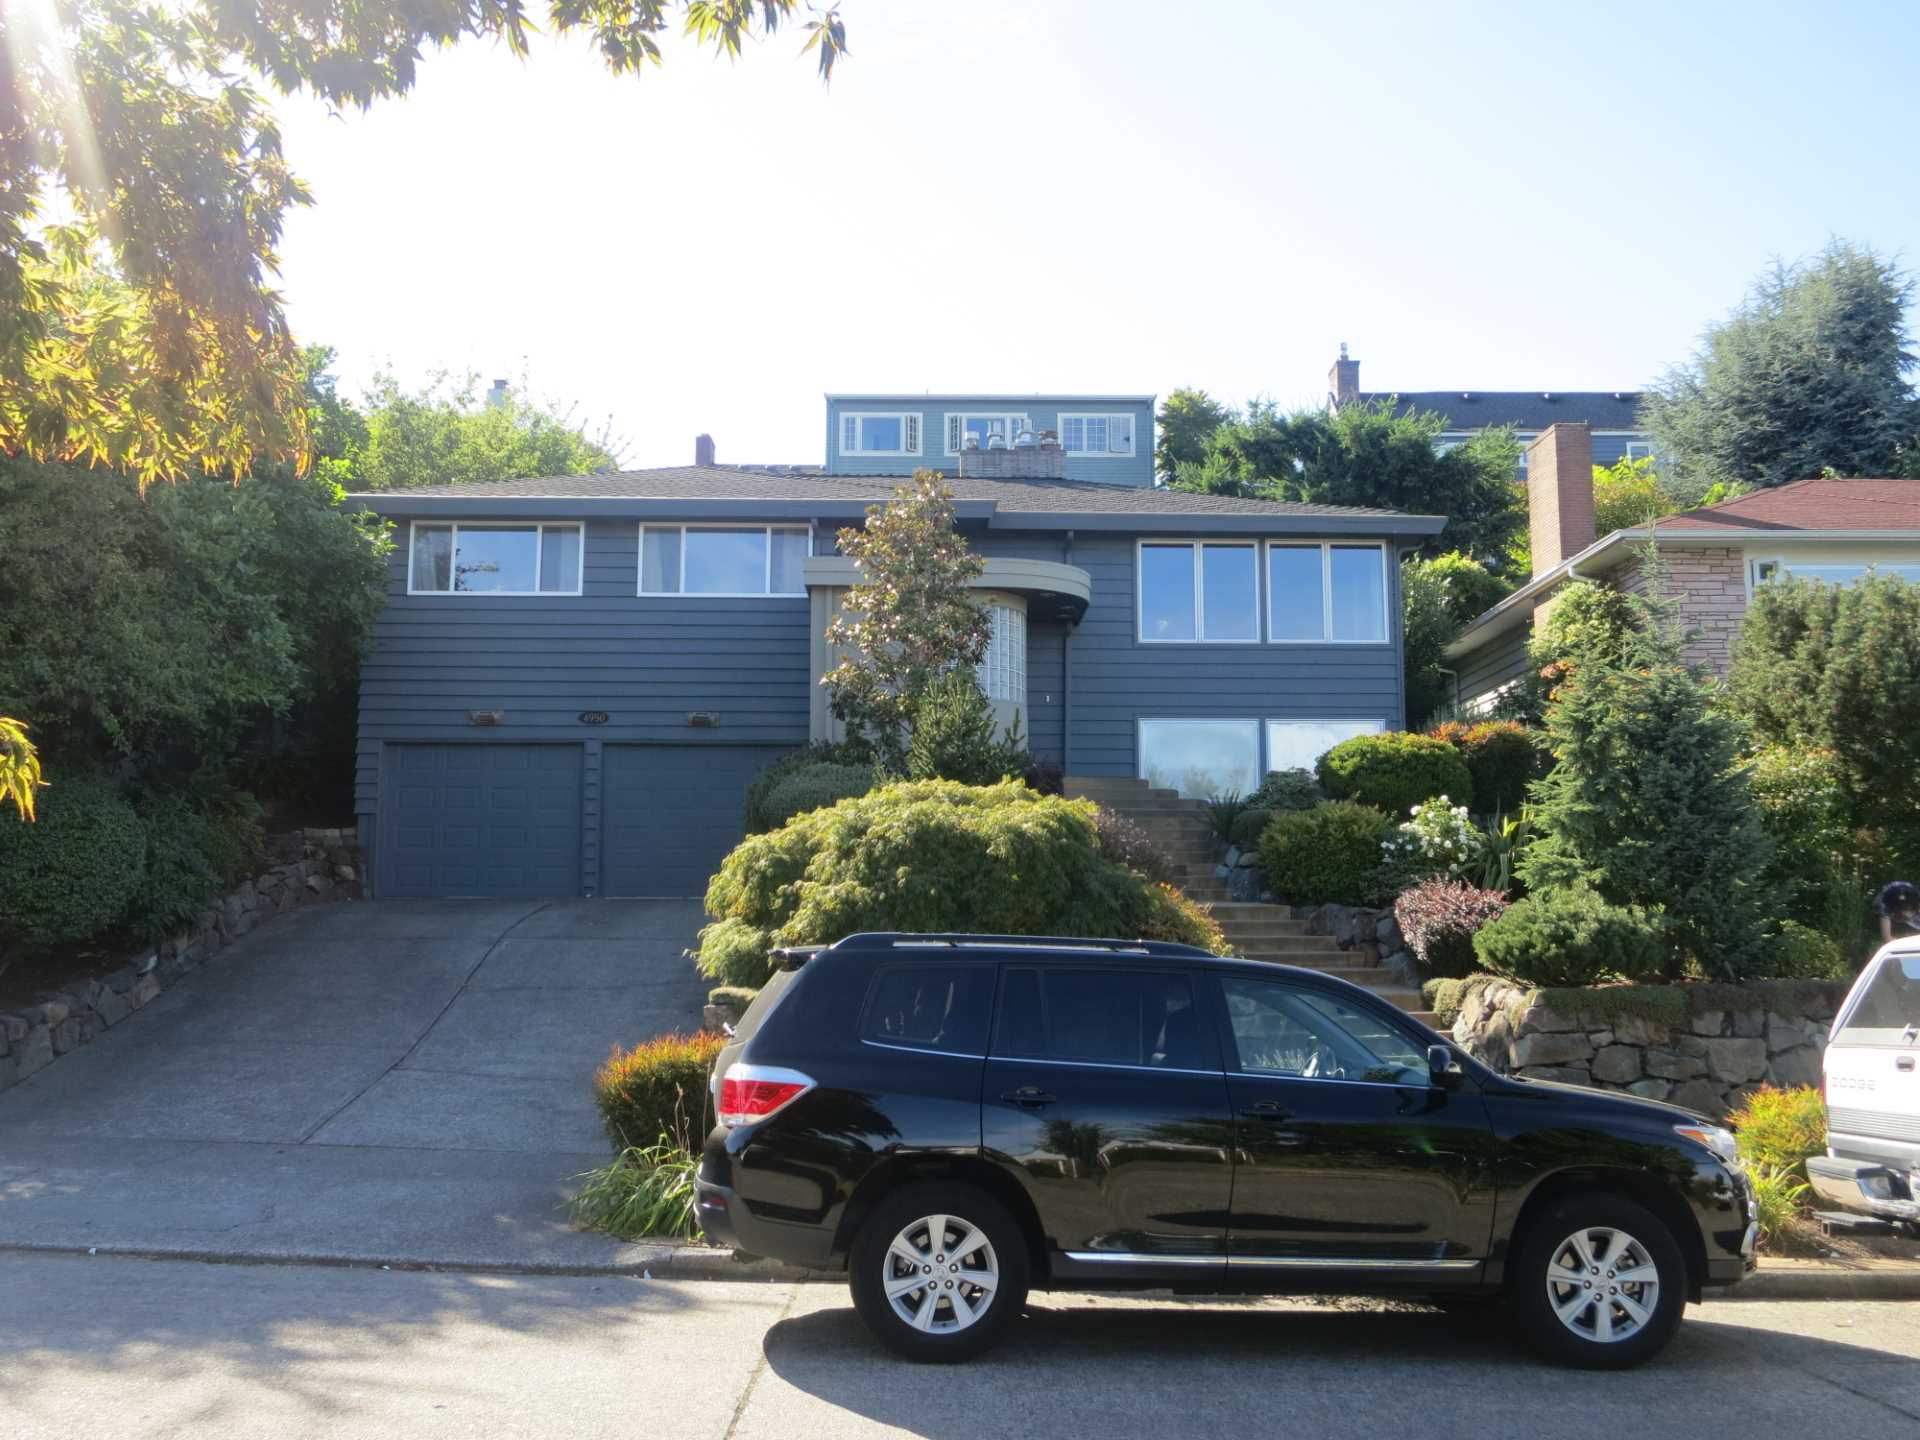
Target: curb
1811,1280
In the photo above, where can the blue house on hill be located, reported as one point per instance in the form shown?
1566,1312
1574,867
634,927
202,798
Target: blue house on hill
574,678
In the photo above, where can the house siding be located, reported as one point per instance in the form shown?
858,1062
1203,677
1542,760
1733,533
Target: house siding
1042,412
1712,588
1493,667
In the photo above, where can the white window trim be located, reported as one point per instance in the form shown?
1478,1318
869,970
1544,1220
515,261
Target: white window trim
1326,548
540,527
1637,450
1016,422
909,419
1133,433
1199,590
640,561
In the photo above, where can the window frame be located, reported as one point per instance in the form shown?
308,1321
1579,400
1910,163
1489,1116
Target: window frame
539,527
1230,1050
911,428
766,528
1203,998
1267,725
1133,433
947,437
1140,738
1326,548
1637,449
1198,547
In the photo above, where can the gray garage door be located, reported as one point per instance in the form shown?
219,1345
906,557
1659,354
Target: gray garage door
672,812
495,820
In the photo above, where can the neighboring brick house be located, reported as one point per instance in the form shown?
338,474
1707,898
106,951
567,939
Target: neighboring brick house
1831,530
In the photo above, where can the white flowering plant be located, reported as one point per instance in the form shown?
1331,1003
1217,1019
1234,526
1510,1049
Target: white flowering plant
1440,839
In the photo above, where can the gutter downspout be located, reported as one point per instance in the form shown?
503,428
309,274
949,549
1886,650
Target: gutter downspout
1066,681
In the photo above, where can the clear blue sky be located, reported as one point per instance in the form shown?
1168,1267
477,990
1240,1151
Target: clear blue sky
1104,195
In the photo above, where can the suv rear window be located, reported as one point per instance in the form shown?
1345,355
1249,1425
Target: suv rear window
1887,1006
930,1007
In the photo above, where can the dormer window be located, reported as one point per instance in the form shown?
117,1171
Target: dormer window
1094,434
870,432
980,428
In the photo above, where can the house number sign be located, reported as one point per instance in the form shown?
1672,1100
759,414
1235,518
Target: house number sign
593,717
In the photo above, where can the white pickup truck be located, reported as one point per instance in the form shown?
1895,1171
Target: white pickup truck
1872,1087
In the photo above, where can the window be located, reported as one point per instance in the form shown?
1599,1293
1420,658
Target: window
733,560
1096,434
536,559
932,1007
1327,593
1639,449
1762,571
1888,1007
1196,592
1297,744
1103,1017
866,432
1201,758
982,427
1302,1034
1002,672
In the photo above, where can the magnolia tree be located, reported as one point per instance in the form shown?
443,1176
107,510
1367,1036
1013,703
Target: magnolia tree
910,620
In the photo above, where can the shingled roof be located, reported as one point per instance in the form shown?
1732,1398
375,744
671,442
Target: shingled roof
1810,505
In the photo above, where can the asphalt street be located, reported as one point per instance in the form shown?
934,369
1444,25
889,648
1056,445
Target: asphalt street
122,1348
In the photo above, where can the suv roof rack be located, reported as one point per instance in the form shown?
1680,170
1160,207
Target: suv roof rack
907,939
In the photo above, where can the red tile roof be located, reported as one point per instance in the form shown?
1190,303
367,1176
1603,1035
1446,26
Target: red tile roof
1812,505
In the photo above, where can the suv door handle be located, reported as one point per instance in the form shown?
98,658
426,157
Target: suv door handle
1029,1097
1903,1062
1266,1110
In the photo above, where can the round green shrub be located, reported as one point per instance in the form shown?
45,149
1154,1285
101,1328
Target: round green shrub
72,872
922,855
1248,826
841,752
809,787
735,953
1287,790
1330,854
1571,937
1503,760
1396,771
657,1089
1802,953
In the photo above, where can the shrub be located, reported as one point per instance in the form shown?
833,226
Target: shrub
1440,839
1223,813
1121,840
1800,952
1394,772
1046,776
648,1190
732,997
821,752
1287,790
735,953
1172,916
657,1090
808,787
924,855
1439,919
1571,937
1503,760
1779,1204
72,872
1780,1129
1820,862
1248,826
200,840
1329,854
954,739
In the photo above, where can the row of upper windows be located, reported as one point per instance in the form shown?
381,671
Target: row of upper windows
544,559
1104,434
1209,592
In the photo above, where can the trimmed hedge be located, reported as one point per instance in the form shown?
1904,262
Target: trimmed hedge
657,1089
1329,854
809,787
820,752
929,855
1571,937
1395,771
74,871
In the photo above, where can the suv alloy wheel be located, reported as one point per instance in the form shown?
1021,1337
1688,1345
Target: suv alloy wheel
938,1271
1598,1282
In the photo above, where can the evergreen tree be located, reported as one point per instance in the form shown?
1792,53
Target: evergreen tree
1188,419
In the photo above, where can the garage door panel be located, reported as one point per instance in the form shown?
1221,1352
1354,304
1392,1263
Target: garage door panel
486,820
672,812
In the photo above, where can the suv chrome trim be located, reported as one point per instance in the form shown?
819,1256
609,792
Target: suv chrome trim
1101,1065
1127,1257
1268,1262
921,1049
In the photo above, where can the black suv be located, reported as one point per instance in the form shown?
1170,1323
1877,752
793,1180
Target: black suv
953,1118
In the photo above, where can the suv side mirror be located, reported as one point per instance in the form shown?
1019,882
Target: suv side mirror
1441,1066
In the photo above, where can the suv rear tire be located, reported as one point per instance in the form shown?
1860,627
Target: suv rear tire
1598,1281
972,1274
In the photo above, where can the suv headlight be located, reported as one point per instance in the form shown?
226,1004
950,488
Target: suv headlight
1716,1138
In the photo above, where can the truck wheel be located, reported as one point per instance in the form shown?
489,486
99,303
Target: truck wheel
1598,1281
938,1271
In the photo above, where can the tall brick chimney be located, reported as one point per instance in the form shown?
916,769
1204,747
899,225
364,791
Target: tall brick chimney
1560,494
1343,381
703,450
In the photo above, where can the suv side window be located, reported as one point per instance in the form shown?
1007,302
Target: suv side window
1103,1017
930,1007
1281,1029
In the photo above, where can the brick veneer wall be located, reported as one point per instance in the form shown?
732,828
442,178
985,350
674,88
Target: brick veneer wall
1712,586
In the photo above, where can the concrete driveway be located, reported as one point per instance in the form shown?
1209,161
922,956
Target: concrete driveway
395,1079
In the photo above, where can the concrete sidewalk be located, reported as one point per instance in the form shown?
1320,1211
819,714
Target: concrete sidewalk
391,1080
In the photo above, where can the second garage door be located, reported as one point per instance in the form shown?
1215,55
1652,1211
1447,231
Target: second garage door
481,820
671,813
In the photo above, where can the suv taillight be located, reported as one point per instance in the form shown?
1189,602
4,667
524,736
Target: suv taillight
750,1093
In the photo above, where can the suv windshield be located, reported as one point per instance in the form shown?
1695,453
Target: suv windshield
1888,1004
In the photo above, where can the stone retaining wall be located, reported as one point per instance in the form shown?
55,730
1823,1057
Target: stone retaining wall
1716,1045
311,866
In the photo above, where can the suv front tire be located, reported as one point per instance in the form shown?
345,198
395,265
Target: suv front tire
1598,1282
938,1271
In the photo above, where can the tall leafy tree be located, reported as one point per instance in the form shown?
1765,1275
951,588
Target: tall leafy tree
1627,495
1187,421
1808,374
143,193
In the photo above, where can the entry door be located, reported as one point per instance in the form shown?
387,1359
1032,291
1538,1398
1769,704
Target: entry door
1347,1151
1104,1092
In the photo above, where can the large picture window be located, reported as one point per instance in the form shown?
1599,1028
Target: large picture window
732,560
1201,758
1327,593
1199,592
1297,744
867,432
530,559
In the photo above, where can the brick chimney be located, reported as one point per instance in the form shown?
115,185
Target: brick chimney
703,450
1560,494
1343,381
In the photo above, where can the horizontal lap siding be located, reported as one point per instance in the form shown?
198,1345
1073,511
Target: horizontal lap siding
1494,665
646,661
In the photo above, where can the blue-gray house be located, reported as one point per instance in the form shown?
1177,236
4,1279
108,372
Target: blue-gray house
574,678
